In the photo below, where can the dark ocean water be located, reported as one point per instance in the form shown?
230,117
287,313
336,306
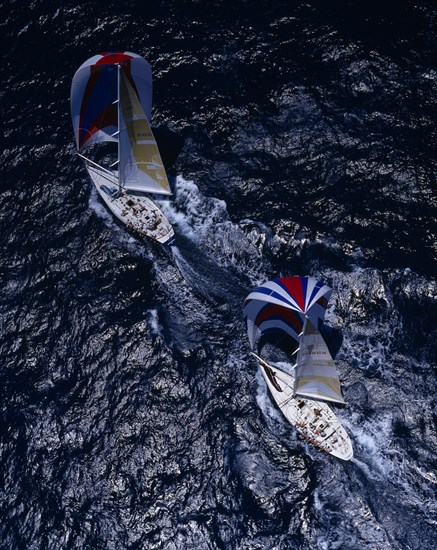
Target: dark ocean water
131,413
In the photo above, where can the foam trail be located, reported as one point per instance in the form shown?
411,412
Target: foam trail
191,212
153,322
204,222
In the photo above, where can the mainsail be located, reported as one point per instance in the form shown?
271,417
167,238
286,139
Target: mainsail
293,306
140,164
316,376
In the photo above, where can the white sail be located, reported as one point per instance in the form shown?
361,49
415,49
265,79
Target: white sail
140,164
316,375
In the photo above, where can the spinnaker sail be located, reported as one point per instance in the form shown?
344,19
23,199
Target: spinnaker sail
94,95
281,305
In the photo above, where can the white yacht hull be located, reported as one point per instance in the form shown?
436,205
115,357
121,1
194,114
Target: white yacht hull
139,213
314,420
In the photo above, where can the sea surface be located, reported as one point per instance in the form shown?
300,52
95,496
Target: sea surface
132,415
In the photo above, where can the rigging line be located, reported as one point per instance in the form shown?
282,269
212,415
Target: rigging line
107,178
95,164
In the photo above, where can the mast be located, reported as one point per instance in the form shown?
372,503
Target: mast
297,355
118,122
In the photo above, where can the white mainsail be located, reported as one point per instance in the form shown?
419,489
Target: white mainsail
140,164
316,375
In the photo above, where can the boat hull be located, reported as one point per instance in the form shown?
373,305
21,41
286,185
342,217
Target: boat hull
314,420
139,213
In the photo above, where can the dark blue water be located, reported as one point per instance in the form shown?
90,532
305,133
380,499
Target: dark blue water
131,413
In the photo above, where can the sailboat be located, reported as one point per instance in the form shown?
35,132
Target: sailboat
111,102
283,316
